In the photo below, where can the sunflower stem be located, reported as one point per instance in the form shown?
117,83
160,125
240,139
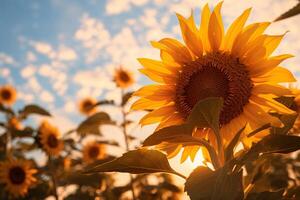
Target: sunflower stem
53,177
124,127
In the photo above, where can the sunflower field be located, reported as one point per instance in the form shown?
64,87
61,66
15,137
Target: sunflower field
211,111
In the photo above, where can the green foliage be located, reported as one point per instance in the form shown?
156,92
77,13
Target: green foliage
136,162
33,109
290,13
92,123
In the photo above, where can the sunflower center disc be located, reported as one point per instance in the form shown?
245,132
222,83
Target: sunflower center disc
52,141
17,175
214,75
124,76
88,105
6,94
93,152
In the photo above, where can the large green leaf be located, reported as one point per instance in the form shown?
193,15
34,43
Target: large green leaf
136,162
6,109
92,123
205,184
33,109
230,147
288,122
266,195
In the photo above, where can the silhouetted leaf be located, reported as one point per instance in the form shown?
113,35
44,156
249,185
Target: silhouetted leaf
272,144
288,122
33,109
91,124
263,127
205,184
266,195
26,132
104,102
169,134
206,113
6,109
290,13
230,148
136,162
126,97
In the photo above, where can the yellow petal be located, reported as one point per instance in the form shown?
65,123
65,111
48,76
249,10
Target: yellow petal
272,42
216,28
157,115
159,90
159,77
171,149
269,102
258,117
235,28
270,89
264,66
177,50
156,65
167,59
174,119
277,75
250,33
204,28
190,34
146,104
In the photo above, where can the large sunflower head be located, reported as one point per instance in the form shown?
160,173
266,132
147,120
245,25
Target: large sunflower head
236,65
123,78
87,106
17,176
93,151
50,138
8,94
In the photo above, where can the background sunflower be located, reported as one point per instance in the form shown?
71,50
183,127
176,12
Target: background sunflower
8,94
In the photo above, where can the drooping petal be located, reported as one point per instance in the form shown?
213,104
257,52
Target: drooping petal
146,104
277,75
216,28
271,89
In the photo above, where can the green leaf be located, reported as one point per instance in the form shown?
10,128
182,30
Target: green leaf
290,13
169,134
126,97
288,121
266,195
206,113
230,148
137,162
6,109
33,109
92,123
205,184
272,144
104,102
26,132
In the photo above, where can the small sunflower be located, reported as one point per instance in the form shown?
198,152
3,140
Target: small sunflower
123,78
50,139
93,151
8,94
17,176
237,65
87,106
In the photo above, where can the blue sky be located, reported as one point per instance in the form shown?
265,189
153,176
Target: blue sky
56,52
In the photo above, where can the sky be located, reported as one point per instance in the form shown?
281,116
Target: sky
56,52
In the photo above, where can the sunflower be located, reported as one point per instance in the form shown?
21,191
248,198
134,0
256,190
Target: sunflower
8,94
17,176
236,65
123,78
87,106
50,139
93,151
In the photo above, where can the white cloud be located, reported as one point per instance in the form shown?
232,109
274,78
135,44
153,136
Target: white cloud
46,97
28,71
42,48
6,59
31,57
66,54
114,7
93,35
4,71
